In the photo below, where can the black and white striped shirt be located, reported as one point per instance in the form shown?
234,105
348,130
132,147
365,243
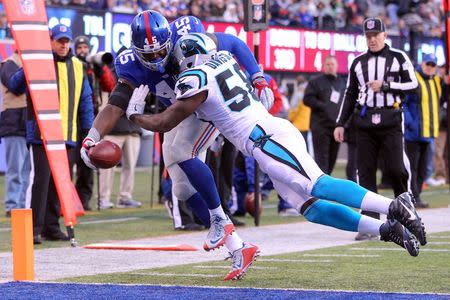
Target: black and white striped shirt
390,65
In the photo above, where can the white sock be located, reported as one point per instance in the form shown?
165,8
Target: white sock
369,225
234,242
218,211
376,203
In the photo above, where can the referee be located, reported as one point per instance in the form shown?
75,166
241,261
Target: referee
376,86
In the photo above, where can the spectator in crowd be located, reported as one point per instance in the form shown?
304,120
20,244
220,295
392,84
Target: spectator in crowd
300,114
100,80
421,111
97,4
12,133
303,18
73,98
440,157
5,32
324,96
377,117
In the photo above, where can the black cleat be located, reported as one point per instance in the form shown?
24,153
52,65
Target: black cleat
393,231
402,209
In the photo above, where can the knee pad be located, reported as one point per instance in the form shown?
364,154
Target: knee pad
175,152
181,187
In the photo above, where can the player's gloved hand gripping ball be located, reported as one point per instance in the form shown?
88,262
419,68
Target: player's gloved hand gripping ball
263,91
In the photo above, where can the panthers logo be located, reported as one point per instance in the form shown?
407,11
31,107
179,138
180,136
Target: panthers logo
191,47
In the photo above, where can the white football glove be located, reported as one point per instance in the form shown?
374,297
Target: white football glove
264,92
89,141
137,101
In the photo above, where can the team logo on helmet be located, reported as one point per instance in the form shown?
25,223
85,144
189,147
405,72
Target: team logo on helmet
190,47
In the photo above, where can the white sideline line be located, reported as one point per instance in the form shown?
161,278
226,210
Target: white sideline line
109,221
397,249
296,260
7,229
176,275
438,243
227,267
440,237
341,255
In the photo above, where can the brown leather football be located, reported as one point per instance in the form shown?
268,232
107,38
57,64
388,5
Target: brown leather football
105,154
249,203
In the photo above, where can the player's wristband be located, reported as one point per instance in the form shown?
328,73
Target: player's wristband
94,135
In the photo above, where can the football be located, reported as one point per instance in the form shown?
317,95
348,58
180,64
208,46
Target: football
250,204
105,154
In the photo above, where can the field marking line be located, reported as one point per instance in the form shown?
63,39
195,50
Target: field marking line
438,243
227,267
295,260
176,274
439,237
341,255
118,220
397,249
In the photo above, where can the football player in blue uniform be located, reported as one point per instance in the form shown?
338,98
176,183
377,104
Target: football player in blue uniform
213,87
147,65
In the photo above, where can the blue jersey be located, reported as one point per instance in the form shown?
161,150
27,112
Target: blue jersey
162,85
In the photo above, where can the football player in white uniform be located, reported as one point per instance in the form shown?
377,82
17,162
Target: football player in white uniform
212,86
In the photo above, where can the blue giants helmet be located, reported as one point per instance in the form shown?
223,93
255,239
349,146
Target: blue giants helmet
151,39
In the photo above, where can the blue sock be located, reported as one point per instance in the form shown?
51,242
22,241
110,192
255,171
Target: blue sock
340,190
199,208
202,180
332,214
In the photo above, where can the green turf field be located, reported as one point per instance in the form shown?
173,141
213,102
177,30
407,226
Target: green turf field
355,267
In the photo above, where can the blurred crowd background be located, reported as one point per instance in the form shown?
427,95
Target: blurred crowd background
400,16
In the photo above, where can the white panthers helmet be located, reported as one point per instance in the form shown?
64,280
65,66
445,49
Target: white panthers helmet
193,49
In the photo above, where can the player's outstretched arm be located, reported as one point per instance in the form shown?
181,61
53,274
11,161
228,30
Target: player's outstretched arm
172,116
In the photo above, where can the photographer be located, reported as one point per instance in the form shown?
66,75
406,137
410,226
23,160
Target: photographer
101,79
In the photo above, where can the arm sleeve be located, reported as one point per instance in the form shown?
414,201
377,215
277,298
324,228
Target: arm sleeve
107,81
408,81
190,83
17,82
350,96
278,101
240,50
311,97
86,107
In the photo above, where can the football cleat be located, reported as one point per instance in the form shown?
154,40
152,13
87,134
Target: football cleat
402,209
218,232
393,231
241,260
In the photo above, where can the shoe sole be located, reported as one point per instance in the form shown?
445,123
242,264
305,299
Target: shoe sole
241,274
417,228
222,242
412,246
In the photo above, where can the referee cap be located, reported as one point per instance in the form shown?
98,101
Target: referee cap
373,25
